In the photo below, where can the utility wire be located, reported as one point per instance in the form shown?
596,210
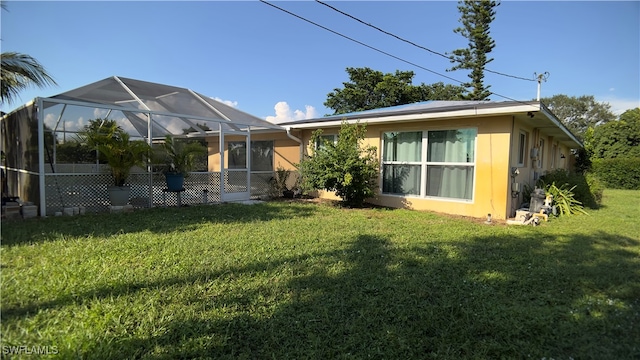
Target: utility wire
374,48
410,42
358,42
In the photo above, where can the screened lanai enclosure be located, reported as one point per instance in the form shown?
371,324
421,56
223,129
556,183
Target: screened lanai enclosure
46,162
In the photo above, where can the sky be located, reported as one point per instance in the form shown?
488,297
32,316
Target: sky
279,67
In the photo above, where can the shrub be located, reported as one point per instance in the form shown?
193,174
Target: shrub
585,188
564,199
618,173
345,167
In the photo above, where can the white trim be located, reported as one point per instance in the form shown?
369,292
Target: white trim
431,114
133,95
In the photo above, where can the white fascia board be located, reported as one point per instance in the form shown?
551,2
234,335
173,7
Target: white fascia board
482,111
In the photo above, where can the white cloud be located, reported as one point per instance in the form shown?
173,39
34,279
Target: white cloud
99,113
284,113
618,106
226,102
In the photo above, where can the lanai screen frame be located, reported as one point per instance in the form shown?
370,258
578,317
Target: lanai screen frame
225,123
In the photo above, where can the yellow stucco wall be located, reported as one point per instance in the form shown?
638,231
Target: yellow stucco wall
549,158
497,146
492,164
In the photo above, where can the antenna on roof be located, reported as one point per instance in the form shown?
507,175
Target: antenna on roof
541,77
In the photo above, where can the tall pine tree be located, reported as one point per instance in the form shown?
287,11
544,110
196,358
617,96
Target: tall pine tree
476,17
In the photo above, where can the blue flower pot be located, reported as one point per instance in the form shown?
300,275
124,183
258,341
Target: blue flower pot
175,182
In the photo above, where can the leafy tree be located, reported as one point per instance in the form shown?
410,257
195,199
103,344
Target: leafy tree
476,18
618,139
579,113
19,71
346,167
371,89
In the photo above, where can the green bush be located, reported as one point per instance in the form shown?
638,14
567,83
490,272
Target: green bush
586,188
596,186
346,167
618,173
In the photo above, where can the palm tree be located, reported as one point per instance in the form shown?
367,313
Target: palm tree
19,71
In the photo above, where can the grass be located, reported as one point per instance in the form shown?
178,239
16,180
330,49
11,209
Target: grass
291,280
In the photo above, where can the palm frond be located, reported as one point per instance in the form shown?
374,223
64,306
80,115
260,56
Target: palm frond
19,71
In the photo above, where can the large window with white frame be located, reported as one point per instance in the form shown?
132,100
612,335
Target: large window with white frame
435,163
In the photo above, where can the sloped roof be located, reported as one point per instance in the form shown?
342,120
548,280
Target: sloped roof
532,113
166,103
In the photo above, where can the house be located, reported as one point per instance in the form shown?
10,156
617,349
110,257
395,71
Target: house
470,158
460,157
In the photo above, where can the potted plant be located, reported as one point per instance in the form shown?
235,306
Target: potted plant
115,147
281,178
178,159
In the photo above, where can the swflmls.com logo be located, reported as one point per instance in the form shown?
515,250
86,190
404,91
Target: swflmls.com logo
29,350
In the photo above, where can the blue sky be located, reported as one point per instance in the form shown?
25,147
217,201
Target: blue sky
271,64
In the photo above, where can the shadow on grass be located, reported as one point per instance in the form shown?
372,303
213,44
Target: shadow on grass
156,220
485,297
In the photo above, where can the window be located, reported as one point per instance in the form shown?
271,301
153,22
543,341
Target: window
447,171
325,138
261,155
401,169
522,149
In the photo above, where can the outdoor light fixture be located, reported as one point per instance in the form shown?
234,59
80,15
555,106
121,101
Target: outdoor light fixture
530,114
562,156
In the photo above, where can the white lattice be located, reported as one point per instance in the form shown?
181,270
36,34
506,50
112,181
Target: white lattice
90,190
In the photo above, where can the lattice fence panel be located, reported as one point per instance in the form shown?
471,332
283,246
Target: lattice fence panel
199,188
90,191
86,190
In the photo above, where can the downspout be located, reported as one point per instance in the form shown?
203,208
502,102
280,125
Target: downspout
288,128
512,176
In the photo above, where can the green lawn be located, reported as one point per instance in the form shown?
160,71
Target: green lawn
291,280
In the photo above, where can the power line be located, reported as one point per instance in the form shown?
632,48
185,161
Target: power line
374,48
359,42
410,42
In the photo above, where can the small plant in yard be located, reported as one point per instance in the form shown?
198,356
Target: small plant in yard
585,187
280,183
564,199
115,147
346,167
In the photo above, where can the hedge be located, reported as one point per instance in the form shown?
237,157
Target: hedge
588,189
618,173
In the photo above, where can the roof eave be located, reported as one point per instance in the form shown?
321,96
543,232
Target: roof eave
420,114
